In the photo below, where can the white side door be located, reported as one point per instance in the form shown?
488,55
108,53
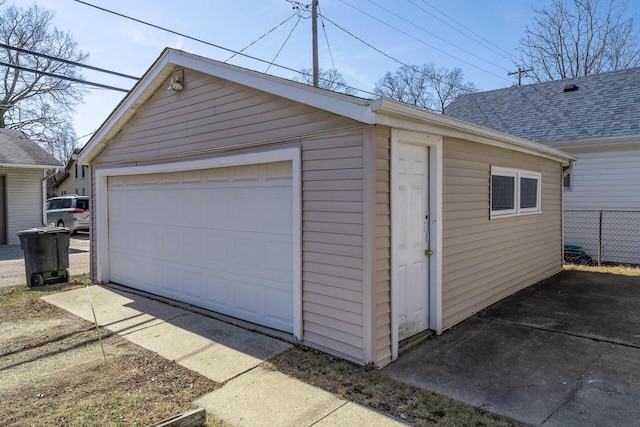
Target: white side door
411,237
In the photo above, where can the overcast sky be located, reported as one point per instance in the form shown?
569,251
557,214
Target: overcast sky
364,38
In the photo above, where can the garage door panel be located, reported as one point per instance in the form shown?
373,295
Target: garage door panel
276,260
280,170
218,238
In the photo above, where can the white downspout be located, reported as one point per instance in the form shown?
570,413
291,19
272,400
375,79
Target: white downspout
565,172
568,170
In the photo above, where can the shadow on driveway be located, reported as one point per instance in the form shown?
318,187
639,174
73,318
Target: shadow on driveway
564,352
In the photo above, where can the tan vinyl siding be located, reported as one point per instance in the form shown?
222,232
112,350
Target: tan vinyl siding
332,244
212,114
382,279
486,260
24,200
213,117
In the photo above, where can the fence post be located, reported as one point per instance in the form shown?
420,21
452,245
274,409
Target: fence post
600,240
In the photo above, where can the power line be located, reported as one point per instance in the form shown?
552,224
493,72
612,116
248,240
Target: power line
259,38
58,76
283,44
521,72
400,62
377,50
184,35
209,43
509,57
426,31
324,29
66,61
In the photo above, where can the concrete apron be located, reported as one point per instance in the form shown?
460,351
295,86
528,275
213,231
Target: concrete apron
565,352
251,395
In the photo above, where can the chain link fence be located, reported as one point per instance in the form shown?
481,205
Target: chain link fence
602,237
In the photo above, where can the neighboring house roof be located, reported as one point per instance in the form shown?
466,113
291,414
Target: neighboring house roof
16,150
61,180
72,160
589,108
381,111
67,168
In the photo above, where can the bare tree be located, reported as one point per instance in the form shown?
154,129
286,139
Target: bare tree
40,105
575,38
447,85
408,84
329,79
424,86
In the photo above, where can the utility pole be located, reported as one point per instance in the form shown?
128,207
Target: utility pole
314,38
520,73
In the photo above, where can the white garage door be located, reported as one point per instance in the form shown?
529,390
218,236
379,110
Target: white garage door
216,238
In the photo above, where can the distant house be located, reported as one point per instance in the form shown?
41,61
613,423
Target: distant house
23,172
351,224
596,118
76,178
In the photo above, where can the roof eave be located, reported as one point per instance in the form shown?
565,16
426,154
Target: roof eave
26,166
393,113
611,143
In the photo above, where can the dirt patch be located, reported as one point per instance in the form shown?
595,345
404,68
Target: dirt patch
53,370
375,389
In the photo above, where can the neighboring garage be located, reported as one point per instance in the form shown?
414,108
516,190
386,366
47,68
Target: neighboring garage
352,224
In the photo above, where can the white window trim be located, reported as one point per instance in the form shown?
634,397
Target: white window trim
517,174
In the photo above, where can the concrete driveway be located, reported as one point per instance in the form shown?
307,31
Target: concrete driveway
12,260
565,352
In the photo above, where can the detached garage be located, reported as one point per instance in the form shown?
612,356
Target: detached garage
351,224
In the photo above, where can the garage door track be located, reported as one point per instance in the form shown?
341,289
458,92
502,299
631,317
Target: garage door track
565,352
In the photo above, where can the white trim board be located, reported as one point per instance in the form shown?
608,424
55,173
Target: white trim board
278,155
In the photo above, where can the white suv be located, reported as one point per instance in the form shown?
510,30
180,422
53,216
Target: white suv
69,211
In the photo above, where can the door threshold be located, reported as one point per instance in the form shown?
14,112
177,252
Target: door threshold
414,340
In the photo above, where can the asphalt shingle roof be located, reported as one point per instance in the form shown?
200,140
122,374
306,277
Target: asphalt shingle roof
604,106
17,149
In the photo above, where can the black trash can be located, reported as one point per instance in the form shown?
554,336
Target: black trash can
46,254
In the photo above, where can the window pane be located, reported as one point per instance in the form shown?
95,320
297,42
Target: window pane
502,192
66,204
567,181
528,193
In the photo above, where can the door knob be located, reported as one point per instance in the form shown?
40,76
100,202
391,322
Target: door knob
428,252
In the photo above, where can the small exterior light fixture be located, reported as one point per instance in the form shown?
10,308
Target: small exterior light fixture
176,81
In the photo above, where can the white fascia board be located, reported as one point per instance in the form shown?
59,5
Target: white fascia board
19,166
344,105
403,116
